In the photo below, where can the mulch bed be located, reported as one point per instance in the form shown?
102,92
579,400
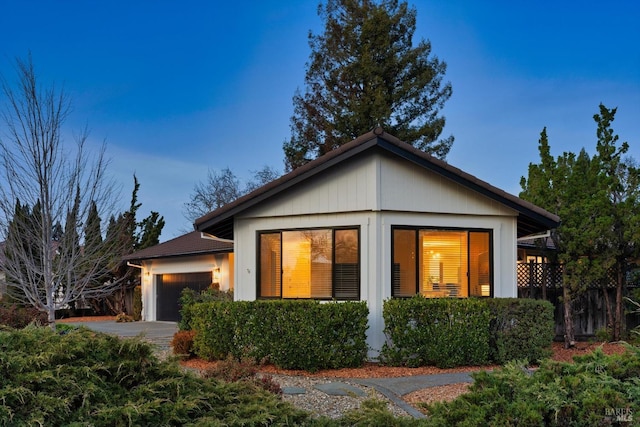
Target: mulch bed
562,354
87,319
375,370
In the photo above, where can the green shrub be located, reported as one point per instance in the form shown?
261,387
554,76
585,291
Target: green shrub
214,326
602,334
291,334
455,332
86,378
520,329
189,297
442,332
595,390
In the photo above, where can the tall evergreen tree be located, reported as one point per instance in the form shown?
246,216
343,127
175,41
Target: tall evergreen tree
598,202
618,222
149,230
365,72
93,228
129,235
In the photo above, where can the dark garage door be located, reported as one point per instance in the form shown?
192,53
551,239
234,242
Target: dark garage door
169,287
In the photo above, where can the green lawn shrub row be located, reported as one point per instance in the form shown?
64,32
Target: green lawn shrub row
455,332
305,335
595,390
84,378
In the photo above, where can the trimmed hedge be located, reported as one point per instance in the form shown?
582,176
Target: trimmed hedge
441,332
305,335
456,332
189,297
521,329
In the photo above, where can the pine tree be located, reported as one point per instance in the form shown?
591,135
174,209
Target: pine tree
365,72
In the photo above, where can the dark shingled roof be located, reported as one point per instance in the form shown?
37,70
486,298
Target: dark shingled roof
188,244
531,219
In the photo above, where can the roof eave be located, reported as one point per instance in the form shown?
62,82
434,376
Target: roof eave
537,219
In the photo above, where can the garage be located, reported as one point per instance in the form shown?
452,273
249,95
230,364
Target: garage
170,286
188,261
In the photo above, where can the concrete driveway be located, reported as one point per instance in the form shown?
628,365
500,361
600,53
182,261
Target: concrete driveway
159,333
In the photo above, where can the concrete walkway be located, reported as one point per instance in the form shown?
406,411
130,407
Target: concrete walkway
161,333
393,388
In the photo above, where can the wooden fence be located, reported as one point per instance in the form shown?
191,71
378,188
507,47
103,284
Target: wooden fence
544,281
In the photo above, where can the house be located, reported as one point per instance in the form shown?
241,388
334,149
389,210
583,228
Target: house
374,219
188,261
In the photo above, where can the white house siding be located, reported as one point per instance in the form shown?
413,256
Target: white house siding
192,264
376,193
346,188
405,186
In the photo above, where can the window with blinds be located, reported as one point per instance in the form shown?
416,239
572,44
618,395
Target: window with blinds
270,267
315,263
441,263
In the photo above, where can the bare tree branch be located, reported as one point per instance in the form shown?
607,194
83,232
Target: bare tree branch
43,184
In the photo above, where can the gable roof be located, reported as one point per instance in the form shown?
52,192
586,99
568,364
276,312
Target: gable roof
531,219
189,244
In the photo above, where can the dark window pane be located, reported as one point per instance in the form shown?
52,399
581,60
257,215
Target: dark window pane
346,268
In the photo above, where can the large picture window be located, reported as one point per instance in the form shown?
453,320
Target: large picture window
315,263
439,263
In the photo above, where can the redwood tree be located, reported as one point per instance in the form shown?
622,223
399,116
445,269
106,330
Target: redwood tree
364,71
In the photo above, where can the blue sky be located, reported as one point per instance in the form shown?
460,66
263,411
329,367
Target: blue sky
177,88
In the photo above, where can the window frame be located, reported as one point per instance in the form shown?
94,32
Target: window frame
416,229
333,262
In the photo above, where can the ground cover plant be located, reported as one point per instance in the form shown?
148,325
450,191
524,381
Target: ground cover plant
595,390
80,377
